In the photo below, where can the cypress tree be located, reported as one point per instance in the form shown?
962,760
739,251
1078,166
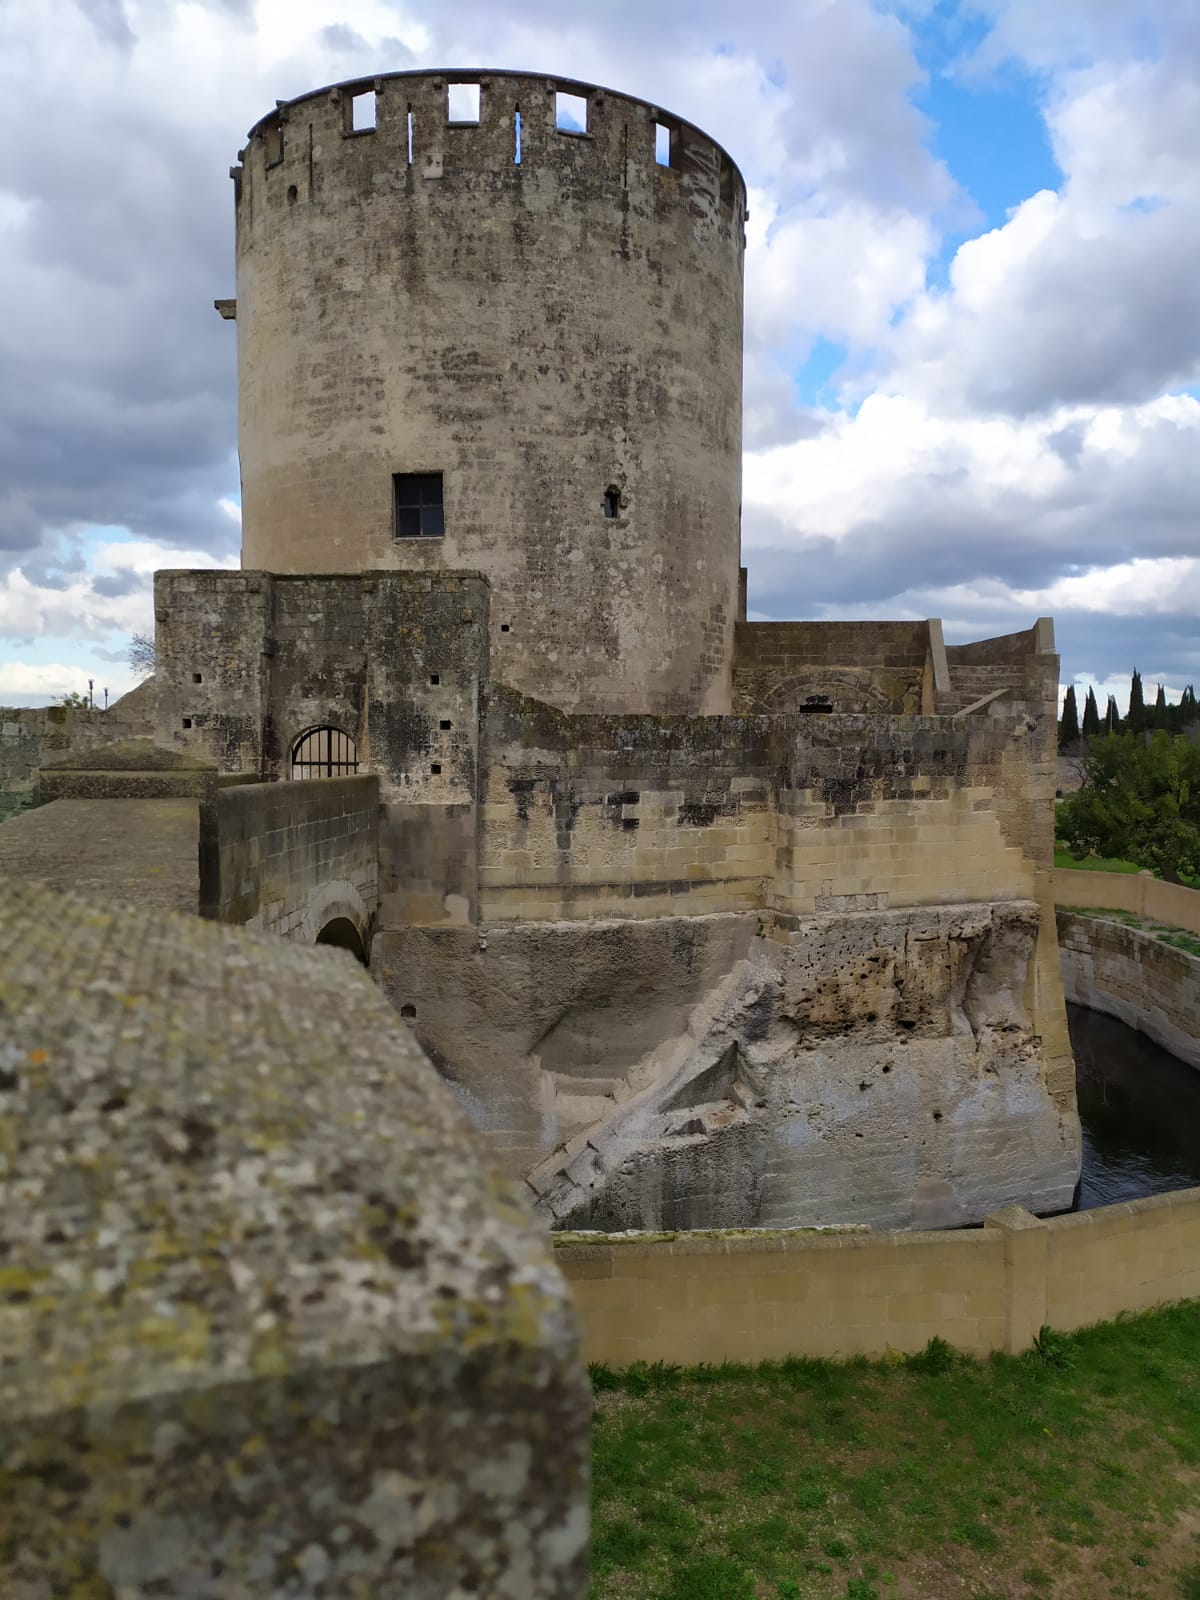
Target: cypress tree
1136,721
1091,716
1112,717
1068,727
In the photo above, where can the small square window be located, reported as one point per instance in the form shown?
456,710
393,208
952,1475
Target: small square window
418,505
187,722
435,677
570,113
197,677
362,111
435,767
463,102
444,726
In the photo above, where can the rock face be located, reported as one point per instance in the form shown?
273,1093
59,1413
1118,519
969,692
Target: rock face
871,1067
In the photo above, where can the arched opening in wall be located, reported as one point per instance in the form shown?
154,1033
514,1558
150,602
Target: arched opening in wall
324,753
343,935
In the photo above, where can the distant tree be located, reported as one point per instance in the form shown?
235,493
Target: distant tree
1140,801
1068,726
76,701
1112,717
142,656
1136,720
1091,717
1161,716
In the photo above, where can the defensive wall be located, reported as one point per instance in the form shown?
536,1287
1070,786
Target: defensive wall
520,310
35,736
294,859
270,1320
581,913
747,1298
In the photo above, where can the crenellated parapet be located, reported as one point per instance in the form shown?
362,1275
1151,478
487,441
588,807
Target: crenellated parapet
511,127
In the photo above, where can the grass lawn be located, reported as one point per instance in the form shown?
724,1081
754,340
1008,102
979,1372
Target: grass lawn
1063,858
1071,1472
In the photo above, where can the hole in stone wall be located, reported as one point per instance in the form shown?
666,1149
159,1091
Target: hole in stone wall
463,102
293,194
444,726
410,135
197,677
662,144
435,677
517,137
362,111
435,767
612,501
504,628
187,722
273,142
570,113
408,1012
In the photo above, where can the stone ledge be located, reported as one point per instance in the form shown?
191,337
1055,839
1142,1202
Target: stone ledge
259,1286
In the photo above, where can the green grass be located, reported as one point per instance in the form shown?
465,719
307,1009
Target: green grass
1179,938
1071,1472
1064,858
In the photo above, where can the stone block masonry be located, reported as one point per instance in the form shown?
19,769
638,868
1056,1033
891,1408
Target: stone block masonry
758,1297
1130,974
270,1323
290,858
537,315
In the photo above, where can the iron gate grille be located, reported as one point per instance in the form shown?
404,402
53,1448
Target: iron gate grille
324,753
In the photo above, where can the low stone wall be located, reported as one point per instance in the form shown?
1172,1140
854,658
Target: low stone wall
1130,974
756,1297
1139,892
291,857
270,1322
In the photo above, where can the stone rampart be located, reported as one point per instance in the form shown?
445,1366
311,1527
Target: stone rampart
35,736
290,858
1130,974
271,1323
762,1297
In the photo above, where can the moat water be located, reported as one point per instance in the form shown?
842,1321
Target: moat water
1140,1110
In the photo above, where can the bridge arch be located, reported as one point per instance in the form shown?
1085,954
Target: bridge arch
337,915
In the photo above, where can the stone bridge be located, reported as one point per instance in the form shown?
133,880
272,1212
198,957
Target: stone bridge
140,825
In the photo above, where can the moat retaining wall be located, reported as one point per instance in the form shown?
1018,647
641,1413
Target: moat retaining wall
751,1298
1130,974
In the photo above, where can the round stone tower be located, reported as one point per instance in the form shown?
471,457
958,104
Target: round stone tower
493,322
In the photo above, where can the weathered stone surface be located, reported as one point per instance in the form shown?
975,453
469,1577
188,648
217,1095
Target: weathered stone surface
538,331
1129,973
268,1323
690,1073
133,852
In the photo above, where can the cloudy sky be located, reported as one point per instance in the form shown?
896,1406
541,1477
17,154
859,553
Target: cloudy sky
973,296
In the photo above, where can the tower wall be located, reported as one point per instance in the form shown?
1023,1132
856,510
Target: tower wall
539,331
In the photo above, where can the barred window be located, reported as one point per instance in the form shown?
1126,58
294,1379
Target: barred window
324,753
418,501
